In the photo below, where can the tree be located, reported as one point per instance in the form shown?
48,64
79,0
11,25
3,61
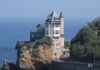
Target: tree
44,40
86,43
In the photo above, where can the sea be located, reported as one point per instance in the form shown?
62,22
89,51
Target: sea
13,29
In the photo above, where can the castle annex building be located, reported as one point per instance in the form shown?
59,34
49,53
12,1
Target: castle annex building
54,28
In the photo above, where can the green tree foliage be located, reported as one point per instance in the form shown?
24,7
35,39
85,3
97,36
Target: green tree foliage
45,39
86,43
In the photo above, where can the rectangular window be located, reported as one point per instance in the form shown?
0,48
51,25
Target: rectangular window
56,25
57,44
56,37
32,35
56,31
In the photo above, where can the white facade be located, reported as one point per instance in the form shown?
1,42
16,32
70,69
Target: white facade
54,28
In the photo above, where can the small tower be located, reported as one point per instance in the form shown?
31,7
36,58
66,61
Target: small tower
62,29
54,28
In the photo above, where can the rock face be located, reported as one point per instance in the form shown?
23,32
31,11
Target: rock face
33,57
43,52
24,56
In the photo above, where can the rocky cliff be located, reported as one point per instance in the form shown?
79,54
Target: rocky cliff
24,56
30,56
36,55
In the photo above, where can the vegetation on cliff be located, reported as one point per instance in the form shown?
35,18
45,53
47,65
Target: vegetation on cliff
45,39
86,44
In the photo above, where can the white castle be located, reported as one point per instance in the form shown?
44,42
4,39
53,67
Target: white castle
54,28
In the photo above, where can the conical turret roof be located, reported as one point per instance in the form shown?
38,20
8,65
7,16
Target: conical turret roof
61,15
53,14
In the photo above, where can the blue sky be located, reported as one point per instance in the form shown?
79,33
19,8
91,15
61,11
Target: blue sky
40,8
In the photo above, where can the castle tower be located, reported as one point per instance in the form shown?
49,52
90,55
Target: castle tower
54,28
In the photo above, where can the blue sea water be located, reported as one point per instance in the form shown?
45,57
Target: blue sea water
13,29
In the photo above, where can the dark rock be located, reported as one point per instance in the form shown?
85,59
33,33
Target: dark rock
7,65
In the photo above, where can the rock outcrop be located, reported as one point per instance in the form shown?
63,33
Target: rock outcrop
33,56
24,56
43,52
42,56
